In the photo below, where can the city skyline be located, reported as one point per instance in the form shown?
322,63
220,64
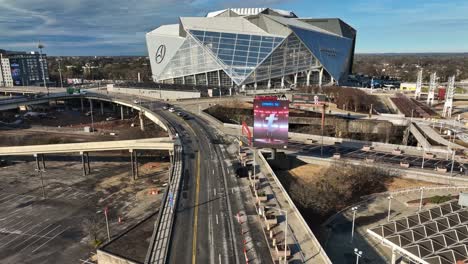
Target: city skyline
118,28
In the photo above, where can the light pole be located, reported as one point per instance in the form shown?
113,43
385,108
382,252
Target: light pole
354,209
424,154
358,254
421,198
40,47
453,161
389,207
60,72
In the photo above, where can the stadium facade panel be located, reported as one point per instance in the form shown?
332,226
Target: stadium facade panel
252,47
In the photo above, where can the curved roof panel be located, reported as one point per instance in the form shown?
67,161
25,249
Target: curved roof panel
222,24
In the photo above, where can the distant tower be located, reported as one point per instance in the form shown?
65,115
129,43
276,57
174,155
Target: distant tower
432,87
449,97
417,94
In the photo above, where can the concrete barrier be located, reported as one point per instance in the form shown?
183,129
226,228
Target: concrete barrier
346,142
306,227
157,94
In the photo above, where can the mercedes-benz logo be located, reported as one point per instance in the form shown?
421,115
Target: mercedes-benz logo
160,53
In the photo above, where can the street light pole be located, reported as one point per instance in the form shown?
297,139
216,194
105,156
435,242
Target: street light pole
354,209
453,161
40,46
423,155
389,207
358,254
60,72
421,198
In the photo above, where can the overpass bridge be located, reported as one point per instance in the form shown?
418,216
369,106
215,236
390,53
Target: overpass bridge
139,144
175,234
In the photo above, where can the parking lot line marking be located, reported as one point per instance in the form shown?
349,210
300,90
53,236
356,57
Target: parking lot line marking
13,233
37,239
49,240
23,233
5,227
33,236
7,199
11,214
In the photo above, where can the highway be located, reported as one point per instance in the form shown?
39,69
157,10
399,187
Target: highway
204,230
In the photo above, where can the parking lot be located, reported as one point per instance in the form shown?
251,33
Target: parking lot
59,229
378,157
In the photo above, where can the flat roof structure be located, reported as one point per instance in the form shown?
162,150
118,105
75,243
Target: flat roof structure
250,48
438,235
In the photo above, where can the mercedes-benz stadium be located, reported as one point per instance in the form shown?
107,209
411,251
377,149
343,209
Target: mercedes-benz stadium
250,48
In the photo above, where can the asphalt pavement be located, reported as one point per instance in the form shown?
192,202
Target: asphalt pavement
205,230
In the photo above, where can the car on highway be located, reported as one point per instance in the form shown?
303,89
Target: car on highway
172,110
136,101
88,113
110,118
179,113
165,107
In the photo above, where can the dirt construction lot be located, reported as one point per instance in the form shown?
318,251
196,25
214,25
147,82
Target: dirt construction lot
66,226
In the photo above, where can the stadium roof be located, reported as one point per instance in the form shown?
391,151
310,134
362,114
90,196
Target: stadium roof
252,11
438,235
169,30
222,24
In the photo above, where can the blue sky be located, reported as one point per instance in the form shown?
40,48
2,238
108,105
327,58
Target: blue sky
118,27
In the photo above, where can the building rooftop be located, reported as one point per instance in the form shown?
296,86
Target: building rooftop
252,11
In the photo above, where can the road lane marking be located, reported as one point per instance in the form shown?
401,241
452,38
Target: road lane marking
217,219
214,190
219,257
195,213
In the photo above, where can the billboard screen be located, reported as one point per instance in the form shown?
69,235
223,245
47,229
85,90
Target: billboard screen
16,73
270,122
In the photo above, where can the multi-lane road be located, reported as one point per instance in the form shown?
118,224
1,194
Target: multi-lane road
205,230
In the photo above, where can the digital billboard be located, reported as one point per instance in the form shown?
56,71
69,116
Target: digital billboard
270,122
16,74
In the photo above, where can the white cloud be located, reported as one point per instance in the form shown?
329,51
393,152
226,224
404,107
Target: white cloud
65,24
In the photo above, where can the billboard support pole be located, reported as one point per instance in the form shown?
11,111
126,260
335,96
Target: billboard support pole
273,153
